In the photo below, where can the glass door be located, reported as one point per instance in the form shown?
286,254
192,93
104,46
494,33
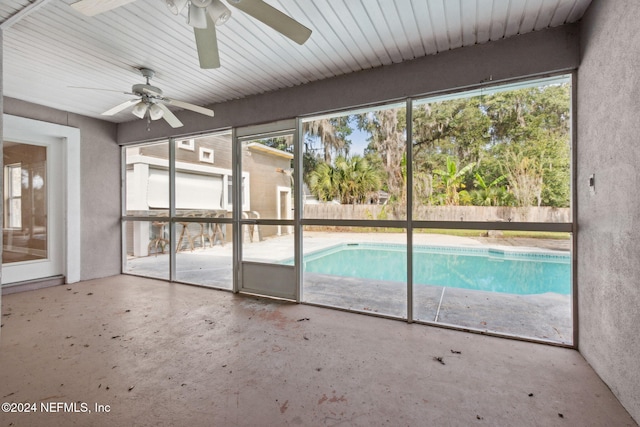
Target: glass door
32,223
266,215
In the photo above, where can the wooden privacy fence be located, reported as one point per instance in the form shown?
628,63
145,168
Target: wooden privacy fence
439,213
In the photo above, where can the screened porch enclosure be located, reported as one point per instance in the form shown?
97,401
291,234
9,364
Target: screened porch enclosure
452,210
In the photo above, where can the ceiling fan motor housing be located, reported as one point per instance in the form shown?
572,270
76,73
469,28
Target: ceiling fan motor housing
146,90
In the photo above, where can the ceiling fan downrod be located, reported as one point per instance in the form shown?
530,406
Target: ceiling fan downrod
147,73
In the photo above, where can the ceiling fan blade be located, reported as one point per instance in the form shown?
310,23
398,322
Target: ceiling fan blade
207,45
169,116
187,106
100,89
120,107
95,7
277,20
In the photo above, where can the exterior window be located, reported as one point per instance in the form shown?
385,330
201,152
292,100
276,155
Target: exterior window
13,175
206,155
186,144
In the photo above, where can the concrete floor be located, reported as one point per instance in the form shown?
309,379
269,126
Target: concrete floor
167,354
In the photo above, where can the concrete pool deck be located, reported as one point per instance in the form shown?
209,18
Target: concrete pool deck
546,317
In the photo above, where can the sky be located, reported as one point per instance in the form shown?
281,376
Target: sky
358,141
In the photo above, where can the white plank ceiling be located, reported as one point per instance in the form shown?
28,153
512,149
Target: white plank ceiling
49,47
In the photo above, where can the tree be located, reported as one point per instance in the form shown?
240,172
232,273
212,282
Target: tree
484,130
455,128
451,180
525,176
517,141
332,132
351,180
388,142
534,123
488,194
323,182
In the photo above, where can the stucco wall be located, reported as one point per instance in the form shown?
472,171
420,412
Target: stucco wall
100,186
609,217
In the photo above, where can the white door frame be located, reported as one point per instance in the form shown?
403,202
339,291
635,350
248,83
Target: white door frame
26,130
262,278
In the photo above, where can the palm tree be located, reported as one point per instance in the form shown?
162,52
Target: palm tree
352,180
323,182
360,180
487,194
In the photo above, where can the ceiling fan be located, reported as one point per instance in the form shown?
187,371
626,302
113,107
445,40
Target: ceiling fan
150,103
204,15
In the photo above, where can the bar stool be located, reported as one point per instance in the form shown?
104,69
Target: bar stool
185,233
158,230
217,231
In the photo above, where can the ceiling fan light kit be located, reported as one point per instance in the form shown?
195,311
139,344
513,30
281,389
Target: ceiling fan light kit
155,112
219,12
140,110
197,16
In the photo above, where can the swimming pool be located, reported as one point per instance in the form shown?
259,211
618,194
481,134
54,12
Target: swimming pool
486,269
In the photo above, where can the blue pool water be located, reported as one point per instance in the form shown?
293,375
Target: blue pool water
486,269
